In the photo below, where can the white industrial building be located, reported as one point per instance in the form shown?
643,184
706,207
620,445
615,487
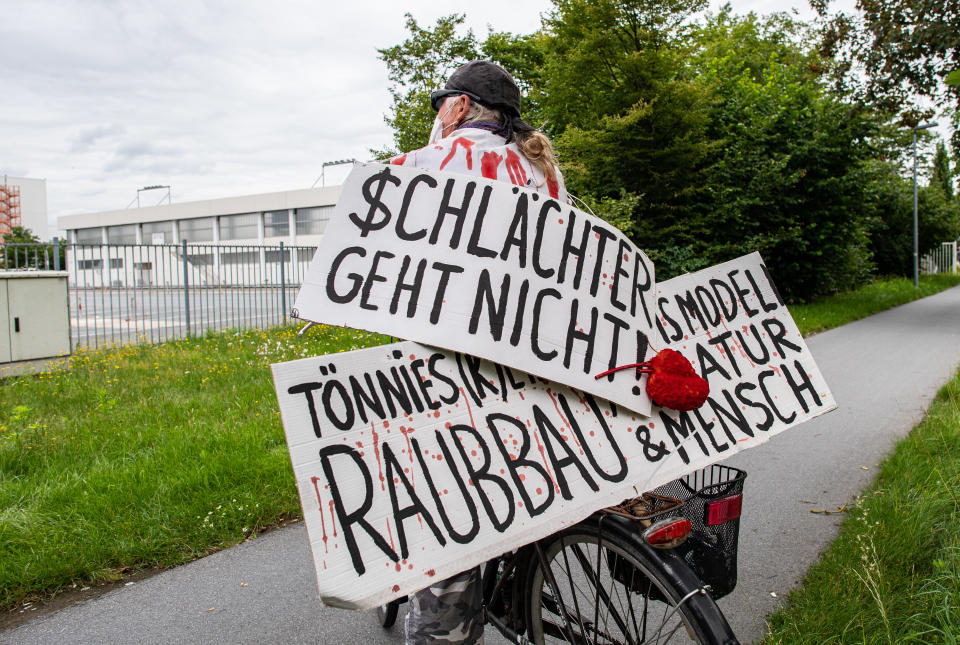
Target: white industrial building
140,247
23,202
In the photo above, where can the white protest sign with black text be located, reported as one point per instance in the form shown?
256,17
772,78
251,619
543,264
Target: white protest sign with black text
415,463
485,268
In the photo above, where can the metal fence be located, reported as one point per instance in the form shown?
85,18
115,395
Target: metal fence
144,293
943,259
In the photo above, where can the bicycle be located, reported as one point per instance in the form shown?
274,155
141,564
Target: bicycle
646,571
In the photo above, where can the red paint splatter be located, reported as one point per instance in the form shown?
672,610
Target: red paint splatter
396,588
390,533
333,519
488,164
467,146
323,524
398,161
514,168
431,573
554,187
543,458
376,452
565,422
469,410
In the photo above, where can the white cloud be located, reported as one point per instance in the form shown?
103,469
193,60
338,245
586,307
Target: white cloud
215,98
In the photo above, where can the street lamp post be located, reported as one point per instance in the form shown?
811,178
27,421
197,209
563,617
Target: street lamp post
916,227
323,169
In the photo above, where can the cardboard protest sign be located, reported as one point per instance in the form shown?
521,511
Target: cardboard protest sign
486,268
414,463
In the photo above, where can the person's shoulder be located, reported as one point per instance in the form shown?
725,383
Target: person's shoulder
425,157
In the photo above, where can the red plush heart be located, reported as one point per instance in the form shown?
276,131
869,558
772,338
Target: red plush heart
673,383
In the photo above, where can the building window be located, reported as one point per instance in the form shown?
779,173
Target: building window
239,227
158,233
313,221
273,257
89,236
143,266
276,224
200,259
240,257
197,230
116,263
126,234
305,255
89,264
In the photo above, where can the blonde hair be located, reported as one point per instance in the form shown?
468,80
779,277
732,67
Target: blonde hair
533,145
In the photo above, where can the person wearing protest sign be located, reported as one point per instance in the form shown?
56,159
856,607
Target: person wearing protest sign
477,131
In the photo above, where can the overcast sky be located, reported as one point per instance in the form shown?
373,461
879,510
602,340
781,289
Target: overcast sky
215,98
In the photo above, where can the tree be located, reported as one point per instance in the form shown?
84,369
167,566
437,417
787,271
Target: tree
424,61
888,200
628,114
786,180
701,137
893,51
416,67
942,176
22,250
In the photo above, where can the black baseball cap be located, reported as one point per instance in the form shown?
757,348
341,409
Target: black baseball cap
488,84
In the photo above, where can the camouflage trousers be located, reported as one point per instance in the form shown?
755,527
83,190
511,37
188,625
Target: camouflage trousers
451,611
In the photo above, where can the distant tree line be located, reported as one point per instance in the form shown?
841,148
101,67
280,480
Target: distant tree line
21,248
706,136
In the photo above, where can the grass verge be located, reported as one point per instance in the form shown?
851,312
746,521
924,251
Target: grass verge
145,456
893,573
878,296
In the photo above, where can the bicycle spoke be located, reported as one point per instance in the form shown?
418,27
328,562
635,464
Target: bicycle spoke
613,594
601,593
576,605
616,589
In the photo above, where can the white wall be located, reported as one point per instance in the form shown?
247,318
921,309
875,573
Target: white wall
33,204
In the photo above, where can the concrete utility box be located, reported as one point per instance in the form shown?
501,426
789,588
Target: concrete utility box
34,315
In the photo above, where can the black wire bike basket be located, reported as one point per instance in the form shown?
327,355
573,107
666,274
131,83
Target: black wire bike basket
710,551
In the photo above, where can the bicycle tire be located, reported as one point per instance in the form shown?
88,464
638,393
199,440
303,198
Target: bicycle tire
649,595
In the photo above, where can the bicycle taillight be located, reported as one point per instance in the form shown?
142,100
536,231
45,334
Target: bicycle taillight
668,533
723,510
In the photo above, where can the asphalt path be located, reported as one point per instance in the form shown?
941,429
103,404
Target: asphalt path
883,370
100,317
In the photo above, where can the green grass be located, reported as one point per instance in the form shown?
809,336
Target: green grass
842,308
893,573
145,456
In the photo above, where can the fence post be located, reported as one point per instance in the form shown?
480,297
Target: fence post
186,287
56,254
283,284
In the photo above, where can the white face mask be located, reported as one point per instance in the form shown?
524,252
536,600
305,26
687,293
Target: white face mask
436,132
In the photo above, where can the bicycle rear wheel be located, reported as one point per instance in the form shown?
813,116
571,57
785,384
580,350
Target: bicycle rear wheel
615,588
